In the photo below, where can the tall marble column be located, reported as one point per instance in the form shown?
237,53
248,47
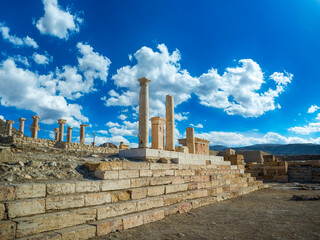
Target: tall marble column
9,127
144,113
82,133
21,125
56,134
169,123
35,126
69,134
61,122
190,140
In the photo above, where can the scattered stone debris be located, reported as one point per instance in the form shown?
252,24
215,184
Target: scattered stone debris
45,164
305,198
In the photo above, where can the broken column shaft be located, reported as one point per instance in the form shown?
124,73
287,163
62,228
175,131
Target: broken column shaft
190,140
35,126
169,123
82,133
69,134
56,134
21,125
61,122
157,131
144,113
9,127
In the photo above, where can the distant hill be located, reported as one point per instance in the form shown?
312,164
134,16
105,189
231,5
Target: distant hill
277,149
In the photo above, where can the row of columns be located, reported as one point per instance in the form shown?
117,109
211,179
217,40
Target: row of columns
157,122
59,132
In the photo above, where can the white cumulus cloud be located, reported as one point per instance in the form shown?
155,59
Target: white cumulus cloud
306,129
232,139
92,64
237,91
17,41
112,124
56,21
24,89
197,126
73,82
181,116
313,109
122,117
104,132
41,59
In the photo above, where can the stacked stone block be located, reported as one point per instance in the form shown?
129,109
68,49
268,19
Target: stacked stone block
132,194
304,171
272,169
21,141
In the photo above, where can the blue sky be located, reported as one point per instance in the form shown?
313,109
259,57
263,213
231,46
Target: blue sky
241,72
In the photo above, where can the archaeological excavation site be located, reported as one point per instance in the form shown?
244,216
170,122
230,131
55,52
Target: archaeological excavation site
59,189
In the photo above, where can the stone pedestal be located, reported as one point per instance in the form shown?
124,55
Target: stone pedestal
9,127
169,123
61,123
82,133
56,134
144,113
190,140
158,132
21,126
69,134
230,151
123,146
35,126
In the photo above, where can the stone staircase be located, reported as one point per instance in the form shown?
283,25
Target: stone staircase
129,194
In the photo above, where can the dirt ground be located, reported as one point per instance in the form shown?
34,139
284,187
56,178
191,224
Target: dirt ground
264,214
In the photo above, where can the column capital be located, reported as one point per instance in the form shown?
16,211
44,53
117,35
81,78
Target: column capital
10,121
144,81
56,129
62,121
22,119
70,128
158,120
83,125
35,117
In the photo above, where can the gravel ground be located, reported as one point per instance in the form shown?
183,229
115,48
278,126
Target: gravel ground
48,164
265,214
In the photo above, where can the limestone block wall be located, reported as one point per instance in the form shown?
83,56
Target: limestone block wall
304,171
130,194
269,171
40,142
84,147
34,142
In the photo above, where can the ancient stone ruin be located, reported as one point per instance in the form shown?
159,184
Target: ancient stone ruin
143,185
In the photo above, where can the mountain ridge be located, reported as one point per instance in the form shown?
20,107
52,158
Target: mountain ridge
277,149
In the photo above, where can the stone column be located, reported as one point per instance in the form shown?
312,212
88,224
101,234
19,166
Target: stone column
190,140
21,125
144,113
69,134
61,122
56,134
9,127
170,123
82,133
35,126
157,131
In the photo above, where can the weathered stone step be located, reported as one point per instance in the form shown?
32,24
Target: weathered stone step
129,174
51,221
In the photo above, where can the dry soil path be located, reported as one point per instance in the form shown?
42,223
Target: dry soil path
265,214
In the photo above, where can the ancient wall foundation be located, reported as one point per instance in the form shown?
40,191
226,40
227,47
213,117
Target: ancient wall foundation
21,141
133,194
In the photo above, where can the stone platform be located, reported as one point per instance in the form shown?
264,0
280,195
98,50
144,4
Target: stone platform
178,157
